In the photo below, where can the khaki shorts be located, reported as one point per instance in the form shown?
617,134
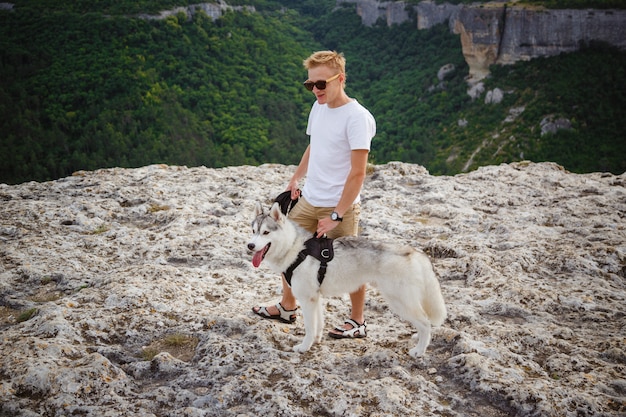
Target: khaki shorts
307,217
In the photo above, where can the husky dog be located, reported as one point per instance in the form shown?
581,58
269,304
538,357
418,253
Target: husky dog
403,275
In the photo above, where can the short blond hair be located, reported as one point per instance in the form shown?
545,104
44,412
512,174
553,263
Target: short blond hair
332,59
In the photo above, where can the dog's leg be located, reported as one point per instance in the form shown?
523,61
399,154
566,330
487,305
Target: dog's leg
405,306
319,321
310,307
423,334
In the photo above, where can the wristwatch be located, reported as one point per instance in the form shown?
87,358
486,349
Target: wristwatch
335,217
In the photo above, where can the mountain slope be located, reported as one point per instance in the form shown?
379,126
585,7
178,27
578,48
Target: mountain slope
89,85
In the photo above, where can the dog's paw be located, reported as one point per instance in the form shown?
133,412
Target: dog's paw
301,348
417,352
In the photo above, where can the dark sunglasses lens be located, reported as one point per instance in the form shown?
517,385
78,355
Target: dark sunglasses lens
321,85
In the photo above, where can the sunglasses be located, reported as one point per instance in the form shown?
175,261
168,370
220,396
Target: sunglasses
320,85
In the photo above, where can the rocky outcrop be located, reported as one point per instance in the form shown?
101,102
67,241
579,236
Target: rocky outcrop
550,125
480,30
430,13
445,71
504,35
494,96
213,10
533,33
371,10
127,292
495,33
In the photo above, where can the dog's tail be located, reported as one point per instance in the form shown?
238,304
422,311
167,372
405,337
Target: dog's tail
433,303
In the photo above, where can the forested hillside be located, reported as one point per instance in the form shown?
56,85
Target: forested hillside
86,85
83,91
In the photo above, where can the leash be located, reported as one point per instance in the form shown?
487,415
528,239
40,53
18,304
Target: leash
319,248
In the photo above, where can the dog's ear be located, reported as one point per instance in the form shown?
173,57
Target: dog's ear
276,214
258,209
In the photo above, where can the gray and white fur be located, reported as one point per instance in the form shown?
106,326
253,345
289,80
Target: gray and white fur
403,275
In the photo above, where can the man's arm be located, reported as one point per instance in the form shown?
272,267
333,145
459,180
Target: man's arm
301,171
354,182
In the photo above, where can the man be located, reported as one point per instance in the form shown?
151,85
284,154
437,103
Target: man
334,163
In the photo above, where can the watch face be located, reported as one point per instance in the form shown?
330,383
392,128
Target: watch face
334,215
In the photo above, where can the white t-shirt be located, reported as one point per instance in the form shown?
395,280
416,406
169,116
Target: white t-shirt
334,133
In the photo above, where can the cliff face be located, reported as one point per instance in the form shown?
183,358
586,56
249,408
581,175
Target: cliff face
533,33
504,35
480,30
494,33
213,10
372,10
430,14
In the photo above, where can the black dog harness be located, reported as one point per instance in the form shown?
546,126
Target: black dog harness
319,248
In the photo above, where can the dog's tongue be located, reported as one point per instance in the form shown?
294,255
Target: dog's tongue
257,258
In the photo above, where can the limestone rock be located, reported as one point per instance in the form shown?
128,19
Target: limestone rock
476,90
499,33
121,265
393,12
494,96
445,71
214,10
430,13
551,125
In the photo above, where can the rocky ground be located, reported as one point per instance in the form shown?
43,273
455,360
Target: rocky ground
127,292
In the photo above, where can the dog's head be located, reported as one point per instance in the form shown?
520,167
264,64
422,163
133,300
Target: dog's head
263,225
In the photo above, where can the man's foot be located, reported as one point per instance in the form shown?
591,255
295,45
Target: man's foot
350,330
276,312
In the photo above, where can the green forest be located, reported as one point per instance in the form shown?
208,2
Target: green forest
88,85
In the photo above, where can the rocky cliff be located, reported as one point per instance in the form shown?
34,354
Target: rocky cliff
504,35
370,11
213,10
127,292
496,33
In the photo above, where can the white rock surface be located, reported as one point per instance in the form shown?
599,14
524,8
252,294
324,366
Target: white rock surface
123,267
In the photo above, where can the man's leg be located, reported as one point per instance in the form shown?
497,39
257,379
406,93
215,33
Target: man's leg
285,311
350,227
358,306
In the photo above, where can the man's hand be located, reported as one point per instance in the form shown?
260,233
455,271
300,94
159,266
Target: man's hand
325,225
295,192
